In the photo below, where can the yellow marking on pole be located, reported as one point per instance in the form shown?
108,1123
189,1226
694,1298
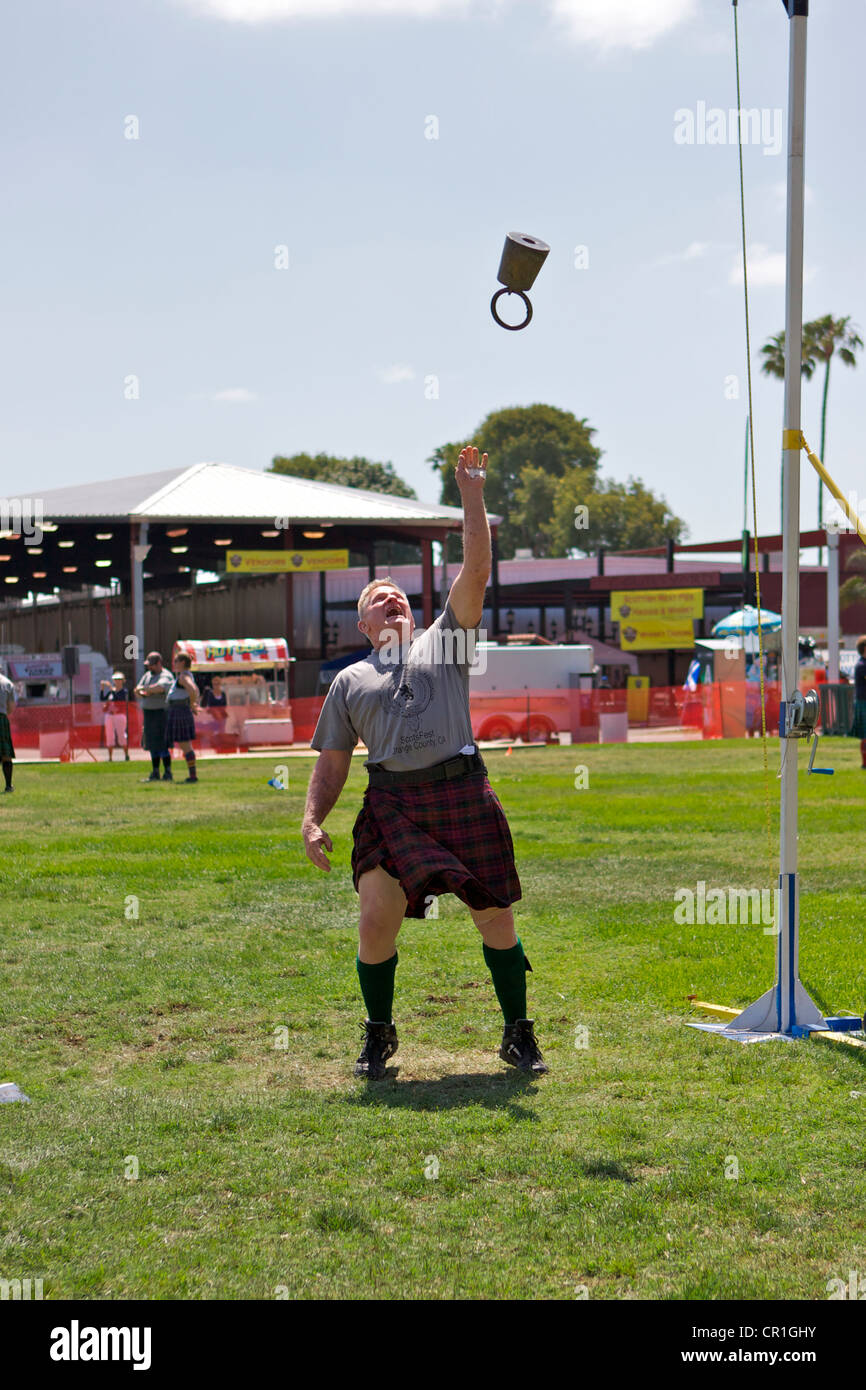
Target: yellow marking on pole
792,439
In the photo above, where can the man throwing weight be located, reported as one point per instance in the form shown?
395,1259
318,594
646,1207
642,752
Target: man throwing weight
430,822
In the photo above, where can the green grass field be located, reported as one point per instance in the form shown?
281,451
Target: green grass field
180,1002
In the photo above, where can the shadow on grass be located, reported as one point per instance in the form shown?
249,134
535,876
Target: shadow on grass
857,1053
608,1168
494,1092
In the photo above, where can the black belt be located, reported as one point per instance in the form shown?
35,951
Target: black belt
461,766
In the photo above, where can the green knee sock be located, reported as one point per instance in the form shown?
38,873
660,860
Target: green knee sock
508,969
377,987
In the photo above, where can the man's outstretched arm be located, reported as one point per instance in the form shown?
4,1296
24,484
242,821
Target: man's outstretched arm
327,781
467,591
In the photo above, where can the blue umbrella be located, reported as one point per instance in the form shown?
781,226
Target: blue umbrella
746,620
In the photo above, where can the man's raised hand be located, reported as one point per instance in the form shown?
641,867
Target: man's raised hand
470,473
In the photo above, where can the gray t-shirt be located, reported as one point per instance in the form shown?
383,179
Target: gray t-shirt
410,713
163,681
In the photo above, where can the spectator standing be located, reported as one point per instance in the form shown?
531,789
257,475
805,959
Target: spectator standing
152,690
116,710
183,704
858,729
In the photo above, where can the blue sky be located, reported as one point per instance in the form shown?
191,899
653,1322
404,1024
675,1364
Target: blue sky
303,124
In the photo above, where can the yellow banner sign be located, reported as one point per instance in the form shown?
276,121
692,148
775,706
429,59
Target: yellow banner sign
281,561
653,618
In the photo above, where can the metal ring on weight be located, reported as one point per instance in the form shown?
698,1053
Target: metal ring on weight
512,327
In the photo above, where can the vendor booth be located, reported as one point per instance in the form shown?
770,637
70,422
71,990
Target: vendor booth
254,673
40,678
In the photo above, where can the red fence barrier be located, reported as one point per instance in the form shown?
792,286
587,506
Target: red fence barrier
724,709
47,728
729,709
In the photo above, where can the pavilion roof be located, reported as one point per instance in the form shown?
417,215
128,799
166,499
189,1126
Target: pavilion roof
225,492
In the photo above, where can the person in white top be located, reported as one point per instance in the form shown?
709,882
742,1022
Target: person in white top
115,698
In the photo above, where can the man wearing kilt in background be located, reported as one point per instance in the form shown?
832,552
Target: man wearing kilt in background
7,752
152,690
430,822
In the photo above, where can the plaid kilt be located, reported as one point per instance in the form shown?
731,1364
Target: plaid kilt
180,725
153,731
858,728
7,752
440,837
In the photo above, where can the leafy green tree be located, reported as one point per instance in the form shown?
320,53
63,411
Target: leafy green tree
543,464
617,516
353,472
535,500
543,438
360,473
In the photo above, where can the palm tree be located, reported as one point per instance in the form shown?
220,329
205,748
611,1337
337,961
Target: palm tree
826,337
774,354
822,339
774,365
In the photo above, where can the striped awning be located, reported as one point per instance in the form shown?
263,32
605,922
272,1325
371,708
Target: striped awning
251,653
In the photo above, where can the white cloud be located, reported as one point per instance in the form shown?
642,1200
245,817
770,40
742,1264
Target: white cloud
273,11
693,252
766,267
606,23
236,395
391,376
621,23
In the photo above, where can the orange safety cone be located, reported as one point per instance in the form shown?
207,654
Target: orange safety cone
509,750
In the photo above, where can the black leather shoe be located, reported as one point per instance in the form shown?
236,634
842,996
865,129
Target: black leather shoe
380,1043
520,1048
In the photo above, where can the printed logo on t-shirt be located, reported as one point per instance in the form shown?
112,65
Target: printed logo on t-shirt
408,695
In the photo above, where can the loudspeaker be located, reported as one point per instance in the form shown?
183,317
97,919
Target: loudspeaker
71,663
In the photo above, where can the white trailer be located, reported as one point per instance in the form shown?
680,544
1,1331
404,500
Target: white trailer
529,691
39,680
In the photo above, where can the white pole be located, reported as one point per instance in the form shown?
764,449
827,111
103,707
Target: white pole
139,549
787,1004
789,908
833,604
